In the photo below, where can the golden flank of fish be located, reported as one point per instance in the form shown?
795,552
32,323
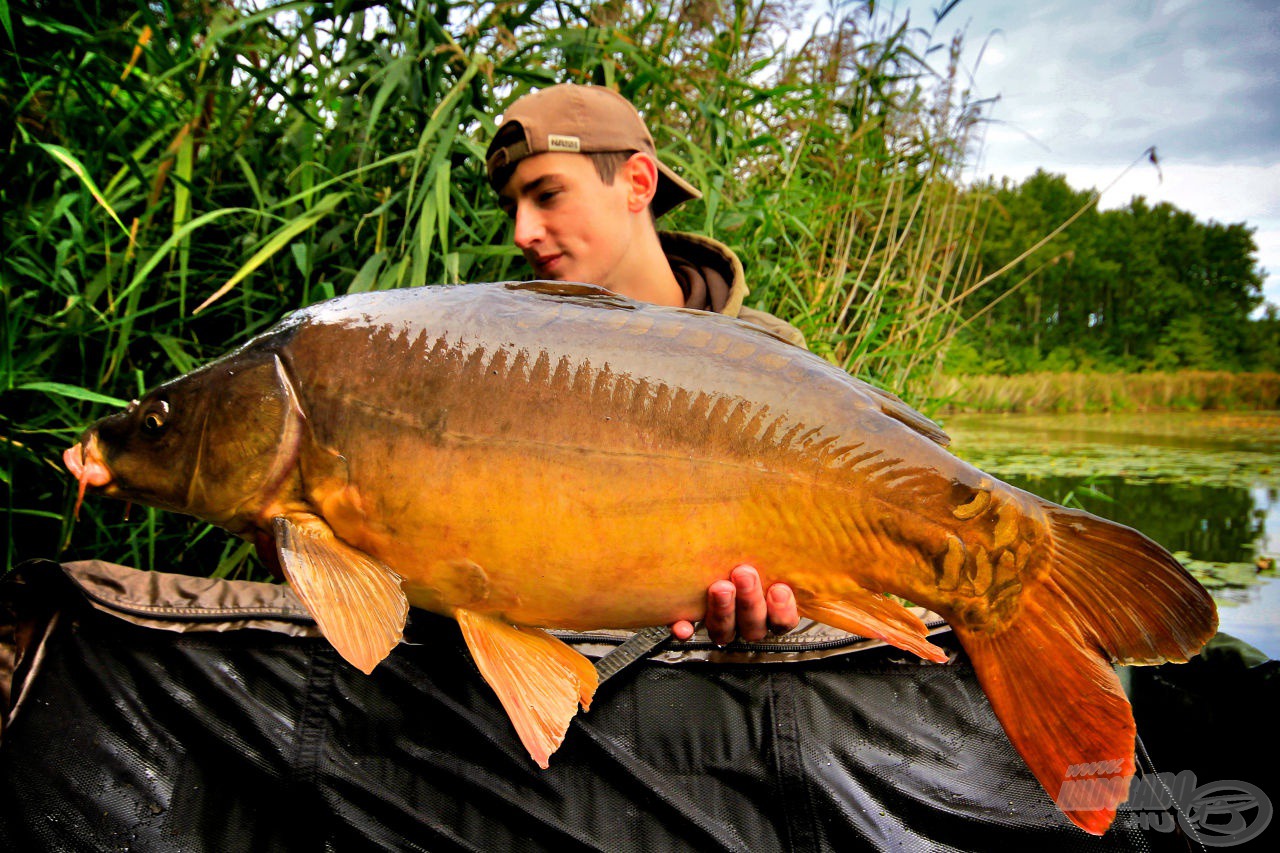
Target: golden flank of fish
534,456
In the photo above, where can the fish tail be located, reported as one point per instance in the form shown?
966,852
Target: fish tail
1105,594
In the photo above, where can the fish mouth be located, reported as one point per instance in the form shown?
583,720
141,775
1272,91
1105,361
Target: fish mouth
84,461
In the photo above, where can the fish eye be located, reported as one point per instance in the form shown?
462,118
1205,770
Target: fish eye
153,421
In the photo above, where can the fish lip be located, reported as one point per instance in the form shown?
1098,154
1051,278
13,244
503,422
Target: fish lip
84,460
72,457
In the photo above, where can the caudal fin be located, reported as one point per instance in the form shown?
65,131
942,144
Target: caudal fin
1105,594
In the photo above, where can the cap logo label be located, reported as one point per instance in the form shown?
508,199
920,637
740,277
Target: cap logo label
556,142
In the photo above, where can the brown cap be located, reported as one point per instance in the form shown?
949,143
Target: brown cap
578,119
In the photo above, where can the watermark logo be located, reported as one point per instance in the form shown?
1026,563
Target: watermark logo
1229,813
1219,814
1097,785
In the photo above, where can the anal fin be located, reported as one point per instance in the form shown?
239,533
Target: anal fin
539,680
356,600
872,615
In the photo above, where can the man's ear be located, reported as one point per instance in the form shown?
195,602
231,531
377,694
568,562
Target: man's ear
640,177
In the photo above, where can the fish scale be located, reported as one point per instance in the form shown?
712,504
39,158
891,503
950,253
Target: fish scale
529,456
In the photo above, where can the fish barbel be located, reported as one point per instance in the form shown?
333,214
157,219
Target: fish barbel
529,456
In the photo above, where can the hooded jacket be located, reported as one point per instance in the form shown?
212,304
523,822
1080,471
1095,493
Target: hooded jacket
711,277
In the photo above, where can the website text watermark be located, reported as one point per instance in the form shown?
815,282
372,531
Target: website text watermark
1219,814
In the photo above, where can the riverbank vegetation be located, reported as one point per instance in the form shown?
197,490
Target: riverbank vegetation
1140,308
1139,288
1153,391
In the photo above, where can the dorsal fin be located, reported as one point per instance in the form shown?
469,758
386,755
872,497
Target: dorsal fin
892,406
573,291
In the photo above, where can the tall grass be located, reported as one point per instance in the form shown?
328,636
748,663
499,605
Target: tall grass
834,169
175,177
1186,390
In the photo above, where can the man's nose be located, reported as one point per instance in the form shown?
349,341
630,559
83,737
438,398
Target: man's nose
529,230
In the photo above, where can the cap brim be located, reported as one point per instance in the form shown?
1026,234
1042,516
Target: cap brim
673,191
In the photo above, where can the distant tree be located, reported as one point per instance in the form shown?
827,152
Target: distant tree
1260,342
1021,311
1142,287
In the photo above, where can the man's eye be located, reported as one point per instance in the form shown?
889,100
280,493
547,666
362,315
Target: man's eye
546,197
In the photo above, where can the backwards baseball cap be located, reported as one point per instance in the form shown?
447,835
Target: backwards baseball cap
578,120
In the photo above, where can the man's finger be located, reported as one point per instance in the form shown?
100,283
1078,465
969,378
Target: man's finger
783,613
751,610
682,630
719,621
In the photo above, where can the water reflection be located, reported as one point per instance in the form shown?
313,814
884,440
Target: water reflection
1204,485
1213,523
1267,503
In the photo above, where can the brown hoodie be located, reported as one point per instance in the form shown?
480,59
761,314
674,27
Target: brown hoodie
711,276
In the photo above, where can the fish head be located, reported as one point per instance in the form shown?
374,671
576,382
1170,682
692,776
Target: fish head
218,443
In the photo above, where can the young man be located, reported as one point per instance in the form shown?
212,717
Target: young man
577,171
591,218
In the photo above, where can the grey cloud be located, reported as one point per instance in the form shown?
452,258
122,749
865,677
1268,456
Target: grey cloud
1199,80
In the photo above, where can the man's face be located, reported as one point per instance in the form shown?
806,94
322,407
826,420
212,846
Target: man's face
570,225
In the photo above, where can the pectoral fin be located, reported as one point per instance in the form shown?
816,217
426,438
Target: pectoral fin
872,615
539,680
356,600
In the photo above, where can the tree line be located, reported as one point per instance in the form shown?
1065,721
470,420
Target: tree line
1142,287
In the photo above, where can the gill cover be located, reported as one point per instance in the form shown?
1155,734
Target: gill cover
249,440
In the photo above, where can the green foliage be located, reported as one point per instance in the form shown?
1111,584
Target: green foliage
175,177
1137,288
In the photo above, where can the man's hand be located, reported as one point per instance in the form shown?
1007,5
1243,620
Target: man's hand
739,607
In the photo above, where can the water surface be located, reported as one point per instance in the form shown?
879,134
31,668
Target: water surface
1205,485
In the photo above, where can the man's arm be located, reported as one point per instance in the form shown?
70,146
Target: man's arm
739,607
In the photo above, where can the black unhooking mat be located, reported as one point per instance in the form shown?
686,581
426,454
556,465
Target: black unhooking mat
132,738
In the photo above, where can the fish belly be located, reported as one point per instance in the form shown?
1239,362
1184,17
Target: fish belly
580,538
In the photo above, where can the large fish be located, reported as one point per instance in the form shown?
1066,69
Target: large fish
528,456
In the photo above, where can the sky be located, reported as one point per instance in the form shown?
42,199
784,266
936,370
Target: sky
1086,86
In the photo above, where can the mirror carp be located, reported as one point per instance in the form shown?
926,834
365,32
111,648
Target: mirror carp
529,456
